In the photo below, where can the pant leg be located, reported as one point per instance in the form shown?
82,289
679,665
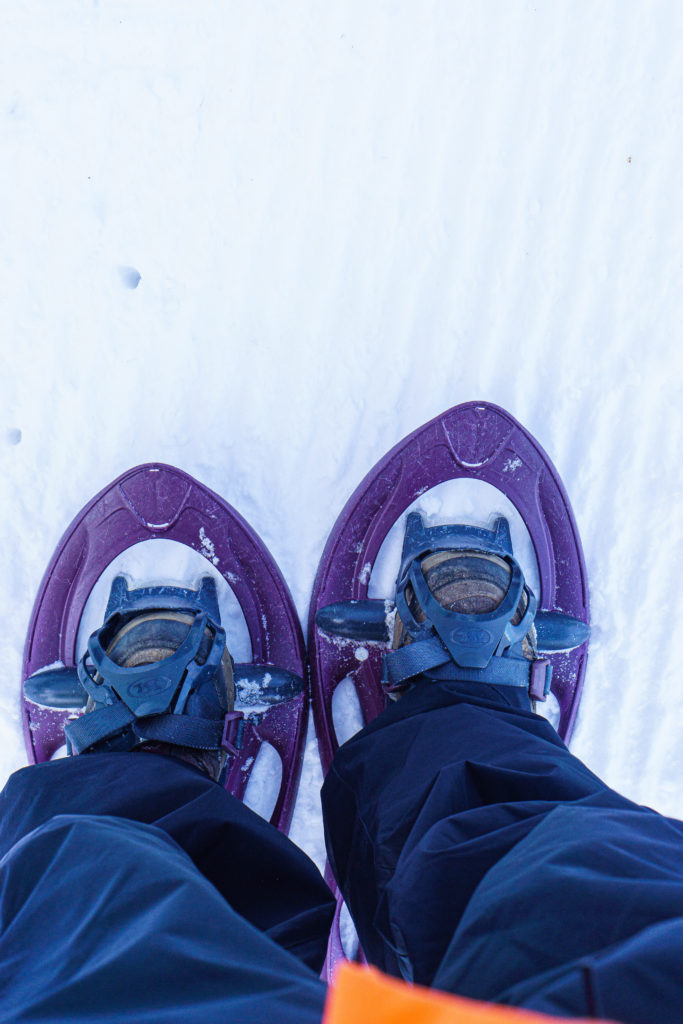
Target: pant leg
104,919
262,875
478,855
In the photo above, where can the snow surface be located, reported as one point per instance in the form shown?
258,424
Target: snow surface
263,242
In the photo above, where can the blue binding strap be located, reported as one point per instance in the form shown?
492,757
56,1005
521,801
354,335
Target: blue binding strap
483,647
431,657
180,699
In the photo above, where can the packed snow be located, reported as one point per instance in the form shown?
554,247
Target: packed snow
263,242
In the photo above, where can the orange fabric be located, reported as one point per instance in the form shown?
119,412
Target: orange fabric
363,995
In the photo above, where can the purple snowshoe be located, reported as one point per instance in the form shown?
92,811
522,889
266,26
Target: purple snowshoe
153,502
350,634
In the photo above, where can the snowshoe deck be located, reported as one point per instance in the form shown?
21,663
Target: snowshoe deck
158,501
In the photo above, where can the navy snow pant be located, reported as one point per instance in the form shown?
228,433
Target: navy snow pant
133,888
477,855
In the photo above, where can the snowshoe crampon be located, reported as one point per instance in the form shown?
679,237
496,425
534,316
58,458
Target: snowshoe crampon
350,632
152,625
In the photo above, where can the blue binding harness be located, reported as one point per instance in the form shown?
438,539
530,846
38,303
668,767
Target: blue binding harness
178,700
484,647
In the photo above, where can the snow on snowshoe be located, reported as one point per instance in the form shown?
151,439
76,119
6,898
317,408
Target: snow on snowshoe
461,607
159,670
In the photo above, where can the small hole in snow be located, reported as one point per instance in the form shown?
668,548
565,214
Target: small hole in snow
130,277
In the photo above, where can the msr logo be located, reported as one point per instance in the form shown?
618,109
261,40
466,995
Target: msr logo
150,686
471,636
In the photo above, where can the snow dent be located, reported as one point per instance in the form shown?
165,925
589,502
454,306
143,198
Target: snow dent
130,277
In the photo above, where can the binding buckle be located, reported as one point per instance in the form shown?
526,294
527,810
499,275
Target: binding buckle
233,729
541,676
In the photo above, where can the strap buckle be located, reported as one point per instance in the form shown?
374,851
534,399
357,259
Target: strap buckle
540,677
233,730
